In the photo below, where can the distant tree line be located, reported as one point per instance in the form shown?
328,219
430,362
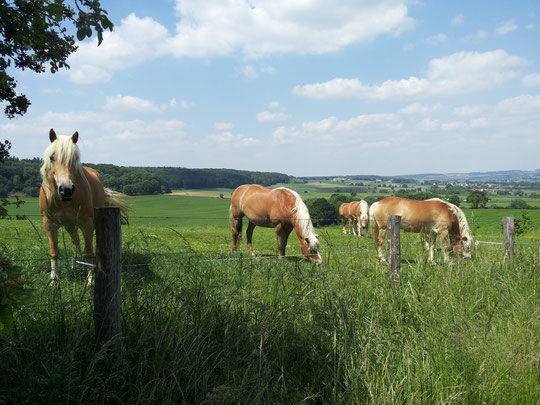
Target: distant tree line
178,177
21,176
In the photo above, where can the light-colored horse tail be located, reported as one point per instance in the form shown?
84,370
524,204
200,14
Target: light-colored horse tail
373,226
116,199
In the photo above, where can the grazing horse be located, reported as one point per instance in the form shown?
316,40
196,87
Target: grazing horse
344,215
359,213
281,209
427,217
67,197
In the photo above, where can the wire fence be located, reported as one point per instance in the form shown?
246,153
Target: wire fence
328,249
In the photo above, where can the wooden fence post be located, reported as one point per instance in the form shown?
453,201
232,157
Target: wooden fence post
509,237
394,248
107,296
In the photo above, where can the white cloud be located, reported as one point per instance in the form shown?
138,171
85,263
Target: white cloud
269,116
331,131
469,110
436,39
250,73
231,139
132,42
274,105
531,80
506,27
458,19
480,35
223,126
420,109
185,104
134,104
458,73
223,27
263,27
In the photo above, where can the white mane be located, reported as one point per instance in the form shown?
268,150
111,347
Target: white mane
464,229
364,208
64,150
302,217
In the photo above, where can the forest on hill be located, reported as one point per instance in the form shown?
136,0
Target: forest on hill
21,176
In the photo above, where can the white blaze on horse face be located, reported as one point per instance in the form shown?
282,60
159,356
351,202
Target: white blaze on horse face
63,180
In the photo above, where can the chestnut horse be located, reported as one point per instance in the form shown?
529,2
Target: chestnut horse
359,213
428,217
67,197
281,209
345,216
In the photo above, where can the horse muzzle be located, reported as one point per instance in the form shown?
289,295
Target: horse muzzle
66,193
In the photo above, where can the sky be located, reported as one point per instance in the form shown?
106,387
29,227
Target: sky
303,87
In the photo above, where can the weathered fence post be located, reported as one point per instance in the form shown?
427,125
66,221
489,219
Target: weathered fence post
107,296
394,248
509,237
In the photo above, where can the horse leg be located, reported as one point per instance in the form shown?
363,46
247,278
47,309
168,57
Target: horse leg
358,227
249,235
344,223
282,235
87,227
236,228
430,245
444,245
378,237
74,235
52,233
379,241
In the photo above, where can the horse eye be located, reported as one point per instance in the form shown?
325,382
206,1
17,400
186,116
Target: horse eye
52,159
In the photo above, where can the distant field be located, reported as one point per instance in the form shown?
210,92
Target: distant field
191,211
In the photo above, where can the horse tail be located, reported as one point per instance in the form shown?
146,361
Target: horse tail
116,199
373,225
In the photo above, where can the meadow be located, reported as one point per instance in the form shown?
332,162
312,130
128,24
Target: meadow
202,324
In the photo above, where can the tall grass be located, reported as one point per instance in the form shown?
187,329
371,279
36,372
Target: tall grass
200,329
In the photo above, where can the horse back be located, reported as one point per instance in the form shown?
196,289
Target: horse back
263,206
416,216
344,209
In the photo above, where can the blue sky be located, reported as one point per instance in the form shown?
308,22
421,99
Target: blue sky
306,88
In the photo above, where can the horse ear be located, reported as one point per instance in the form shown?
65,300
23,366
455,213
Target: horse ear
52,135
75,137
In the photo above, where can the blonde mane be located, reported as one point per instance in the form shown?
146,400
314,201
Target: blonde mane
302,217
365,209
464,229
66,151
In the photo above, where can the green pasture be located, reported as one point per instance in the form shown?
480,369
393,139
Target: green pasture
205,325
173,210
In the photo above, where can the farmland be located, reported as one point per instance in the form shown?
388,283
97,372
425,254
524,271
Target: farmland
204,325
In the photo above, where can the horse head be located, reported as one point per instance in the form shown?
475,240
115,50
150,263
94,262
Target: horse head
310,248
461,243
61,162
